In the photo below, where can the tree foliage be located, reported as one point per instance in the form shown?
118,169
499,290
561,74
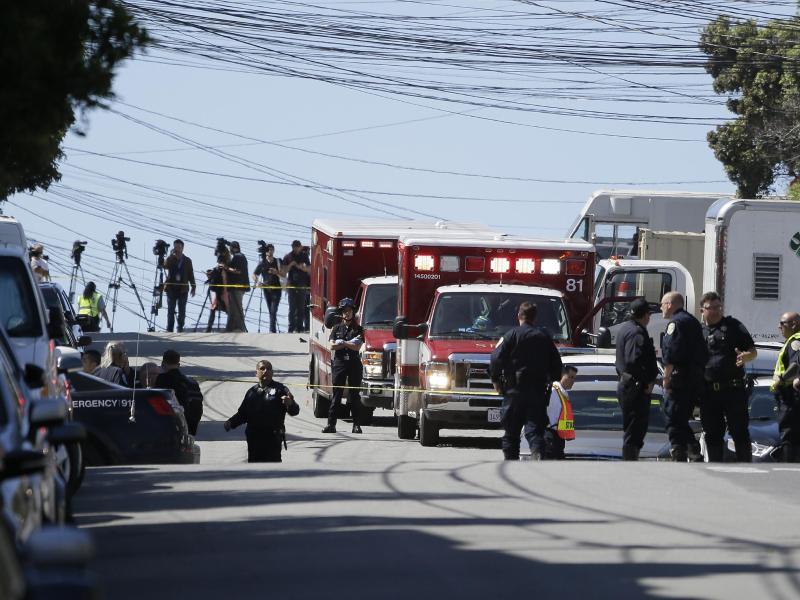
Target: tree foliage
57,60
758,67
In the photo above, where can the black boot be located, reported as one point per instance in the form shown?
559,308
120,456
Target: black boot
745,453
329,428
679,454
715,453
630,453
694,452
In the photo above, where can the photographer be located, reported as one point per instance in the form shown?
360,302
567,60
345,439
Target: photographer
269,270
238,284
39,266
218,281
297,269
180,283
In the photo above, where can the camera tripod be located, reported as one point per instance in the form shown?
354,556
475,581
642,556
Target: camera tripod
76,268
116,281
255,290
158,295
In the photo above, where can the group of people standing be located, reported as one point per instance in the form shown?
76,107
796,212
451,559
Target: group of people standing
703,366
229,281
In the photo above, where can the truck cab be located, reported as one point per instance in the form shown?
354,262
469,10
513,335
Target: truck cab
464,326
619,281
376,304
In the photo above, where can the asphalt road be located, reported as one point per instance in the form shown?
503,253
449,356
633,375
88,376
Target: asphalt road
371,516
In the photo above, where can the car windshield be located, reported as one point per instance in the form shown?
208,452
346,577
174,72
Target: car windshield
380,305
488,315
17,300
596,407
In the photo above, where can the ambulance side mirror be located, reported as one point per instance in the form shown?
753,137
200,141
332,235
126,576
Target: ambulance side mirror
331,316
400,328
603,338
422,329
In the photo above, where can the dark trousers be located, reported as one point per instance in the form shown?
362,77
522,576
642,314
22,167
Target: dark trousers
273,298
193,413
235,310
721,406
524,408
298,309
180,300
346,374
635,405
789,425
553,445
677,408
264,447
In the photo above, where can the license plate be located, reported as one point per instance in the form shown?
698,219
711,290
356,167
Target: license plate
495,415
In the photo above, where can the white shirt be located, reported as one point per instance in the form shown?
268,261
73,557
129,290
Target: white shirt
38,262
554,408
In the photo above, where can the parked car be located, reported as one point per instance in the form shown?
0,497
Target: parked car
130,426
55,298
597,415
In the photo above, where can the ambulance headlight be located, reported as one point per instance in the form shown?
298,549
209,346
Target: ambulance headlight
437,376
373,363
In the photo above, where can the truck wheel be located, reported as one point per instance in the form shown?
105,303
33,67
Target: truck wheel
406,427
321,404
428,431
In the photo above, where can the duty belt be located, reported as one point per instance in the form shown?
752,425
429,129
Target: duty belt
724,385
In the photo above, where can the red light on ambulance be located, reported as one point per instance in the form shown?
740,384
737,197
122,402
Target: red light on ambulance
367,244
550,266
499,264
348,244
576,267
525,265
384,244
474,264
423,262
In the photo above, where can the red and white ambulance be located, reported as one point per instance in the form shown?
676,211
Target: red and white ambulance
456,298
358,259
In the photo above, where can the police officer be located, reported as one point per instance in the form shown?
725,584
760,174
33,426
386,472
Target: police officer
346,370
725,395
524,362
637,369
264,409
684,354
787,388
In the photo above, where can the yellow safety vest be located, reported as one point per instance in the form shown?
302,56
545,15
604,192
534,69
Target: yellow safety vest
90,306
566,425
780,369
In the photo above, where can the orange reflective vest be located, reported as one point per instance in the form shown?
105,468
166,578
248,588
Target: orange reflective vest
566,425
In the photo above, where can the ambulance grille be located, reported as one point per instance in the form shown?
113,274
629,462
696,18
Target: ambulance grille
766,277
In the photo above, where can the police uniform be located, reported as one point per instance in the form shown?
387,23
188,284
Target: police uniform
637,368
683,347
788,400
346,370
525,361
725,394
264,412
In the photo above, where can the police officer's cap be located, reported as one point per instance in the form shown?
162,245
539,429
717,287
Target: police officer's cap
639,308
346,303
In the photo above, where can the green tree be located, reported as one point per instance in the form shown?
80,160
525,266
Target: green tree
758,68
57,61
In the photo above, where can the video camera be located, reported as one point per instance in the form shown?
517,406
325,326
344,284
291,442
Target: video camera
120,246
160,249
262,249
222,246
78,247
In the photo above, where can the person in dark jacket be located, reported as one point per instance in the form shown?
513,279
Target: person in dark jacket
239,283
724,401
346,370
637,369
171,377
524,363
297,270
684,354
269,269
264,409
179,284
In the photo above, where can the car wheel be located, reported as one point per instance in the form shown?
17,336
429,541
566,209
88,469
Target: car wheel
406,427
69,459
428,431
320,404
93,455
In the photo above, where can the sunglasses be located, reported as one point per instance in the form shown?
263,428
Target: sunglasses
784,323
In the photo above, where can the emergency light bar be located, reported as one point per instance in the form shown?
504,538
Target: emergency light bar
474,264
448,264
576,267
367,244
385,244
348,244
